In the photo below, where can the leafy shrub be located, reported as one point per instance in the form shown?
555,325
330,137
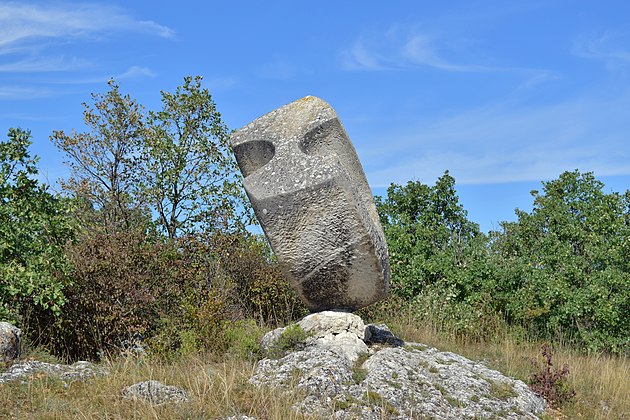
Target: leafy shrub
34,227
293,337
548,382
262,290
121,283
241,282
179,295
468,319
564,267
244,338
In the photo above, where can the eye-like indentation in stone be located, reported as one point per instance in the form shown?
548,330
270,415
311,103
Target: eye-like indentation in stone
323,139
254,155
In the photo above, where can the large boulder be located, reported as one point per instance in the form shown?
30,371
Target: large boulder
311,196
10,341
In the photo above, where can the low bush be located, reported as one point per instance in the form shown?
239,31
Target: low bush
180,295
549,382
292,338
262,291
120,285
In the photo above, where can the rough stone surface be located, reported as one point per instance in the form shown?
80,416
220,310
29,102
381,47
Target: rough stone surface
396,381
339,331
332,323
155,392
67,373
10,341
380,334
310,194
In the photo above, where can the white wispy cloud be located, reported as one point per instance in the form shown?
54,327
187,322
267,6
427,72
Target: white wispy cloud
611,47
30,35
401,48
420,49
20,22
221,83
505,143
535,77
404,48
38,65
134,72
21,92
362,57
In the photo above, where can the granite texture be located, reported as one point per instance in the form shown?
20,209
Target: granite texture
311,196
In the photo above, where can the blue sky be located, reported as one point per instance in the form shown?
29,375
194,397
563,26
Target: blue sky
503,94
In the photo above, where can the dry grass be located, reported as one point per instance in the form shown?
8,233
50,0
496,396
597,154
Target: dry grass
601,382
217,389
220,388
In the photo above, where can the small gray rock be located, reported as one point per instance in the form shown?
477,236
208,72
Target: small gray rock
380,334
328,323
155,392
10,341
310,194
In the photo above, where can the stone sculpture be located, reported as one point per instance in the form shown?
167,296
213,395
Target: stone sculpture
311,196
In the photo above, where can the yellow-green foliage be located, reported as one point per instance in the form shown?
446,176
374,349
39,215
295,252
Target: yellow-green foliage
291,338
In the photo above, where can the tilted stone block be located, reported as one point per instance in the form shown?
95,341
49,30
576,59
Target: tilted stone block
309,192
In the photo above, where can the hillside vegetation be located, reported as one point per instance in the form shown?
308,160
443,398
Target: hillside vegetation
147,242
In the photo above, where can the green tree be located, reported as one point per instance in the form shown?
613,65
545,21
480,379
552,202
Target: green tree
428,234
439,259
103,160
189,174
34,227
565,267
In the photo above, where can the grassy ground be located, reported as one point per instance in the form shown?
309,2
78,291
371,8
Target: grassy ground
217,389
601,382
218,384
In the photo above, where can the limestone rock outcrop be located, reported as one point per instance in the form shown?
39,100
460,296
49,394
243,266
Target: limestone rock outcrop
397,380
340,331
10,341
77,371
311,196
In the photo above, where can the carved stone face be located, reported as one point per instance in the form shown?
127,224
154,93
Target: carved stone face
309,192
